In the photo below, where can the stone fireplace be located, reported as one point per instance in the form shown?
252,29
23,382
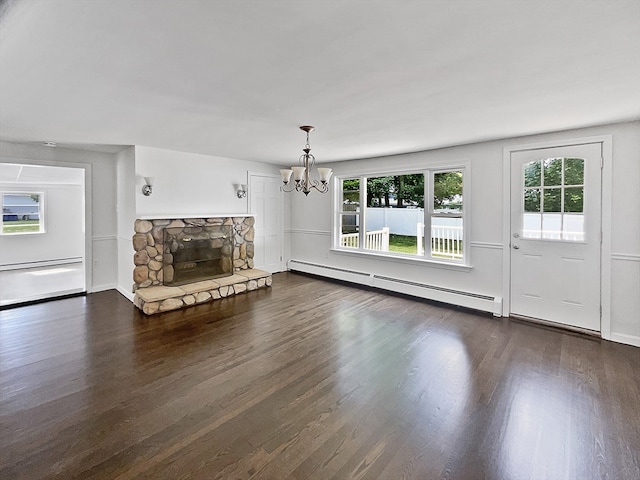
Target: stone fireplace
150,247
184,261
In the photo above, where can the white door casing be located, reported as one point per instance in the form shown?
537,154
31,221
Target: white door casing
266,203
555,261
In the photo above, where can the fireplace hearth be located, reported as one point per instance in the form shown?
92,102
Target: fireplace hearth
207,259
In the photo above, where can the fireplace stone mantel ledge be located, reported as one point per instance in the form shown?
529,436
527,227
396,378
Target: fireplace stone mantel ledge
160,298
203,215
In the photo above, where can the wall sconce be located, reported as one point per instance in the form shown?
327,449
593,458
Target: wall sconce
147,188
241,190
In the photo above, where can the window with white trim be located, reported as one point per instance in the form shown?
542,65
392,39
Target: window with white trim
22,213
387,214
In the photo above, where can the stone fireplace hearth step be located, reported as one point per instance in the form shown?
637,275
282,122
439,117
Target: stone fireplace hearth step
160,298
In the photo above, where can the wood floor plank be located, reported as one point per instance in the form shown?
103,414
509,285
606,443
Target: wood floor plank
309,379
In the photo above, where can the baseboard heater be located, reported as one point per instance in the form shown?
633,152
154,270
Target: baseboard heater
485,303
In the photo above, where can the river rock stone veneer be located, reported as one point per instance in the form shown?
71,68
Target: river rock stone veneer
151,296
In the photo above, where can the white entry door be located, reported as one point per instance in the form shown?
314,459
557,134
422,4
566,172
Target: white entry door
266,203
556,234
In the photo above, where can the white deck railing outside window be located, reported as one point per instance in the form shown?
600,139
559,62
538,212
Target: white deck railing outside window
375,240
446,241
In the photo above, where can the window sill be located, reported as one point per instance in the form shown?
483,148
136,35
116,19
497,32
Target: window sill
404,259
14,234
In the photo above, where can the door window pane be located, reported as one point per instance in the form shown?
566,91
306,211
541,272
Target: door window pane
553,171
532,200
532,176
552,200
573,228
552,226
574,199
573,171
532,225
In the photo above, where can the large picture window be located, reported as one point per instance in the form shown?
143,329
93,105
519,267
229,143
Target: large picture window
416,214
22,213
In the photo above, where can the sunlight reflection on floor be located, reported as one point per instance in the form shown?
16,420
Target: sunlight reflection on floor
28,284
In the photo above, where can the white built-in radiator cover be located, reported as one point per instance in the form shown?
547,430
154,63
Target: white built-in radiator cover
475,301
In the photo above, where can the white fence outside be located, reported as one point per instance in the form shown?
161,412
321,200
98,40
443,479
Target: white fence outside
446,233
375,240
401,221
446,241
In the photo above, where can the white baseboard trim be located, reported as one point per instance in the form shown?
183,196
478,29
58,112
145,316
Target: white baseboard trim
633,340
102,288
475,301
128,295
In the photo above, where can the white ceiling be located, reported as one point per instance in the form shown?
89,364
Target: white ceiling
237,78
19,174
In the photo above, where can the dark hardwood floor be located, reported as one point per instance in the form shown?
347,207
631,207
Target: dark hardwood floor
309,380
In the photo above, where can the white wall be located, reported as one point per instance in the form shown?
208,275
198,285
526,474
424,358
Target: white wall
126,208
63,216
312,216
101,202
191,184
625,234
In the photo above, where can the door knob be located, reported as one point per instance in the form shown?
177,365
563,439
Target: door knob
516,247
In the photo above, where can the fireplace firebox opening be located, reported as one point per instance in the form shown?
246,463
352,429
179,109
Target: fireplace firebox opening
197,253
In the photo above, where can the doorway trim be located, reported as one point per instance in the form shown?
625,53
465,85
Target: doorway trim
88,208
605,212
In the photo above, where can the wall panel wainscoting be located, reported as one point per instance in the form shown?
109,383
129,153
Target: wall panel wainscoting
310,379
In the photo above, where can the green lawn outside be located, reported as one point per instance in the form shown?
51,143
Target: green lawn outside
403,244
408,244
20,226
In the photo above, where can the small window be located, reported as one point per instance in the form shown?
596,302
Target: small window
22,213
553,199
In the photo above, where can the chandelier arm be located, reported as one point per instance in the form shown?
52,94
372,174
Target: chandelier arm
292,188
320,187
